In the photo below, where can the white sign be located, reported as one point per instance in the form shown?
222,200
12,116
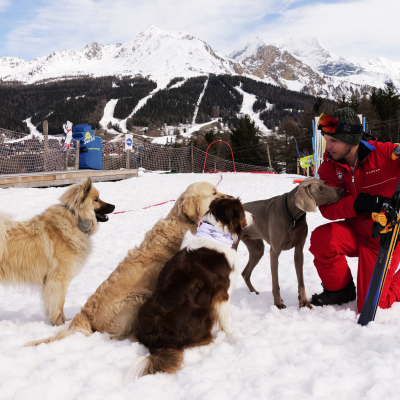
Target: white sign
68,131
128,141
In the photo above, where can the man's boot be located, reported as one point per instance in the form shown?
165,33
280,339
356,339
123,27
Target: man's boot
329,297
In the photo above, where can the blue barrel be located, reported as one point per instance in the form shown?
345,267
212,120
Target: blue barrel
84,133
91,157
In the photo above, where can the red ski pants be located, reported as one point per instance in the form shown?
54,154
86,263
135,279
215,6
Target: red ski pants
331,243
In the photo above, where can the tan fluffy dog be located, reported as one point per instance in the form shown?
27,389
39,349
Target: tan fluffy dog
48,250
113,308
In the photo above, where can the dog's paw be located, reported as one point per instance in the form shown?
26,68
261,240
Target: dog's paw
280,306
60,320
227,330
305,303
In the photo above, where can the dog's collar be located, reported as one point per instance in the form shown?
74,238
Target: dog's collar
83,225
205,229
294,223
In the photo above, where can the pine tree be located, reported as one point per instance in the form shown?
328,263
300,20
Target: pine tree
245,141
387,105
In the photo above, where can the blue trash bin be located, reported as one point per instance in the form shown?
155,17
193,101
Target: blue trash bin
90,156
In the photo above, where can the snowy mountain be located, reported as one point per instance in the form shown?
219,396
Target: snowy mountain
363,71
299,64
158,54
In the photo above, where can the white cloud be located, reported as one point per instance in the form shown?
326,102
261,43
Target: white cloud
4,4
368,28
70,24
358,27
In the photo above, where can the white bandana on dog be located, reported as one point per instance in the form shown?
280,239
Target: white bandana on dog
209,231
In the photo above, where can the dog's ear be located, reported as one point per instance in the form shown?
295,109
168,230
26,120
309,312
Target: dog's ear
303,198
193,207
74,196
86,186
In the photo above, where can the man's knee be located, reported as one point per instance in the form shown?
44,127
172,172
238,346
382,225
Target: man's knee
320,238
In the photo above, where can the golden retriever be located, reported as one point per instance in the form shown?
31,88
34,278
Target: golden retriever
114,307
48,250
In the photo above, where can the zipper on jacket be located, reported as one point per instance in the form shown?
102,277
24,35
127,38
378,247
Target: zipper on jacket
352,179
352,171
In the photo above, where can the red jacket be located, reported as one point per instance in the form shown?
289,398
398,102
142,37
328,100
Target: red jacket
375,173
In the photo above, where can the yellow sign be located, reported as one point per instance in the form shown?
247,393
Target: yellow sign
307,161
87,135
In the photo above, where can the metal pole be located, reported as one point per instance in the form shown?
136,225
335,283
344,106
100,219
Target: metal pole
298,167
78,147
269,157
136,157
128,153
46,145
66,156
141,157
192,155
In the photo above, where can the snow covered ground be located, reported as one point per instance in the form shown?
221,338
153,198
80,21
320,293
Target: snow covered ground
271,353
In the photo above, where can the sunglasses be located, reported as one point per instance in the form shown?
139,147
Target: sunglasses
330,124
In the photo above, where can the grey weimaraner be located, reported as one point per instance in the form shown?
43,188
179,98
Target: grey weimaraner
280,221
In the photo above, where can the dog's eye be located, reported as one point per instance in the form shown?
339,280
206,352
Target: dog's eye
96,199
215,193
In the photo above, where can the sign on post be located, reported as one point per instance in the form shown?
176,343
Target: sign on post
68,132
128,141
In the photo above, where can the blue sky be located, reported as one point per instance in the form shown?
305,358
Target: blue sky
360,28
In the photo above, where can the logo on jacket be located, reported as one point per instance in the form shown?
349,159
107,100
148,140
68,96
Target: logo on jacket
374,170
340,176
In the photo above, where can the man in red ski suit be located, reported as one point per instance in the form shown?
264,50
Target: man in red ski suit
368,171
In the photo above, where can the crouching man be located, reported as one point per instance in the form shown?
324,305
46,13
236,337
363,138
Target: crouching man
368,171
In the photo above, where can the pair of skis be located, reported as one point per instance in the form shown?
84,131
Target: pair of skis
387,225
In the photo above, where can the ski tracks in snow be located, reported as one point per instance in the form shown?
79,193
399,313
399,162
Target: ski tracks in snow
196,110
247,108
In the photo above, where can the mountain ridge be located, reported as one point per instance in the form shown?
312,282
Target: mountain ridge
296,64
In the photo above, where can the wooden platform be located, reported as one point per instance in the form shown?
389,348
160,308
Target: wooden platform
62,178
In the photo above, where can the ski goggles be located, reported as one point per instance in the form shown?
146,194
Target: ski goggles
330,124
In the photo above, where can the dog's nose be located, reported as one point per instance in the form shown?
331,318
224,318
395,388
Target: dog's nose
341,192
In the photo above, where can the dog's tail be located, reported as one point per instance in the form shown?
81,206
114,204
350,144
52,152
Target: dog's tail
79,324
162,360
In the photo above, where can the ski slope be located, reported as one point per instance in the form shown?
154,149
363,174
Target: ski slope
271,353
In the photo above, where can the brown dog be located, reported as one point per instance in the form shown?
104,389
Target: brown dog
280,221
48,250
193,291
114,306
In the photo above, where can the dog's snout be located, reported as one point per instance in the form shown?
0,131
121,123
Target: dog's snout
110,208
341,192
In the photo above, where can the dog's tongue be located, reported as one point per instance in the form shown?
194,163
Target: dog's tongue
102,217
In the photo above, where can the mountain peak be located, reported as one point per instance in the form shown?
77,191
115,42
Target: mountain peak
248,49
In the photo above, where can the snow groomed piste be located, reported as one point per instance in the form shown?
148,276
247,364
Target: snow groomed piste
271,353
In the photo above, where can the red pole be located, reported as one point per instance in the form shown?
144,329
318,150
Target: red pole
205,160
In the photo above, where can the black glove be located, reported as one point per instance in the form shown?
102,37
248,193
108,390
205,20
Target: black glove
365,203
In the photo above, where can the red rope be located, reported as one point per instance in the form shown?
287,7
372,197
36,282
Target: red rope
159,204
219,181
144,208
